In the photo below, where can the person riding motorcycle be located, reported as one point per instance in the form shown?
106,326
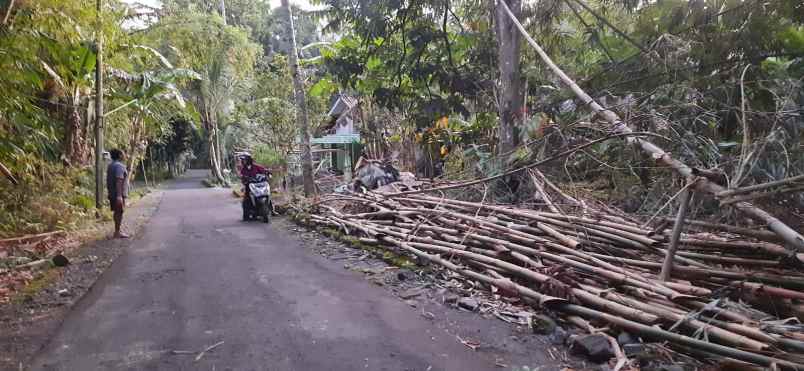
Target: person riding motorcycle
249,170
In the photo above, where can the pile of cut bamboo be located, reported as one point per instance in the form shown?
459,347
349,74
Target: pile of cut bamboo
728,297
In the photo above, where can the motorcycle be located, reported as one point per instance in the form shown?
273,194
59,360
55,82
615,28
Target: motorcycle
258,202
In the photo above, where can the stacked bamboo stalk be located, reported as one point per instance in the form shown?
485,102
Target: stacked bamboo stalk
599,266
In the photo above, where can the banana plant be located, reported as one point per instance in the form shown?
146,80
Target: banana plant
144,94
69,79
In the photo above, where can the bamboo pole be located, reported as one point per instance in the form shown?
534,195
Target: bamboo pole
696,273
544,196
721,334
759,187
760,234
582,295
663,335
667,267
7,173
9,9
492,239
754,196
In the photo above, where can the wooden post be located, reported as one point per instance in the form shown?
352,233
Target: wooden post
684,201
99,112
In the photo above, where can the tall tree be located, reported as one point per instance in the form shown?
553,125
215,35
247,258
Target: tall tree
509,92
223,55
301,108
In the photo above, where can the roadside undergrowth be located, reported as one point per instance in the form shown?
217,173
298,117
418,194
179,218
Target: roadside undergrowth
384,254
19,284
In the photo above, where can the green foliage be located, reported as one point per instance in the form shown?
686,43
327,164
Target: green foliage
169,155
409,56
270,157
267,114
48,197
324,88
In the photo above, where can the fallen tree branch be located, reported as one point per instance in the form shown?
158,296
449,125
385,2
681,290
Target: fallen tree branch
756,232
754,196
29,237
759,187
526,167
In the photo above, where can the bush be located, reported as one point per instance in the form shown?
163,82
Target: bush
48,197
269,157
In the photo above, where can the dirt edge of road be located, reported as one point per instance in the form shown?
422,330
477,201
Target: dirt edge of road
470,319
27,323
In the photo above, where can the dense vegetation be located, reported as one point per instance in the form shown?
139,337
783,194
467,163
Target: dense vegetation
179,81
449,86
720,80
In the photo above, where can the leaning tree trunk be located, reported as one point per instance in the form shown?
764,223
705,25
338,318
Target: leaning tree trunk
509,94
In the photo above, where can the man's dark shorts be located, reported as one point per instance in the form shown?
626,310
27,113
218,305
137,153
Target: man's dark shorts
114,207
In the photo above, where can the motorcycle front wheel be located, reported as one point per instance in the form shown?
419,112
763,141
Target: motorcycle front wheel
266,214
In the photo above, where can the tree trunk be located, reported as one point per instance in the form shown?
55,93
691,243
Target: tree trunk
509,85
220,149
75,150
214,163
301,105
133,151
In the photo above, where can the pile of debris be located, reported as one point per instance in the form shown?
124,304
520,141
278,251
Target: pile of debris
22,257
735,295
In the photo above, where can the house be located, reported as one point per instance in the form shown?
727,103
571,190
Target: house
336,142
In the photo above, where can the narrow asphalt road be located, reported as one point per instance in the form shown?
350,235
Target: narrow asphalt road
198,276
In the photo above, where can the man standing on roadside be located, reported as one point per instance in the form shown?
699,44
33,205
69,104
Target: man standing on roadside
117,187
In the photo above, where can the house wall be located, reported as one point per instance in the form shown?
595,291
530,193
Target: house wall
345,125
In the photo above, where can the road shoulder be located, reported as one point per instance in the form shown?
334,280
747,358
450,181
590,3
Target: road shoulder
454,308
28,321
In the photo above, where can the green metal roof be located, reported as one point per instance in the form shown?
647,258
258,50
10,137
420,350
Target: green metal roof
337,139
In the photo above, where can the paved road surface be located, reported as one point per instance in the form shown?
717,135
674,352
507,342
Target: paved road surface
198,276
